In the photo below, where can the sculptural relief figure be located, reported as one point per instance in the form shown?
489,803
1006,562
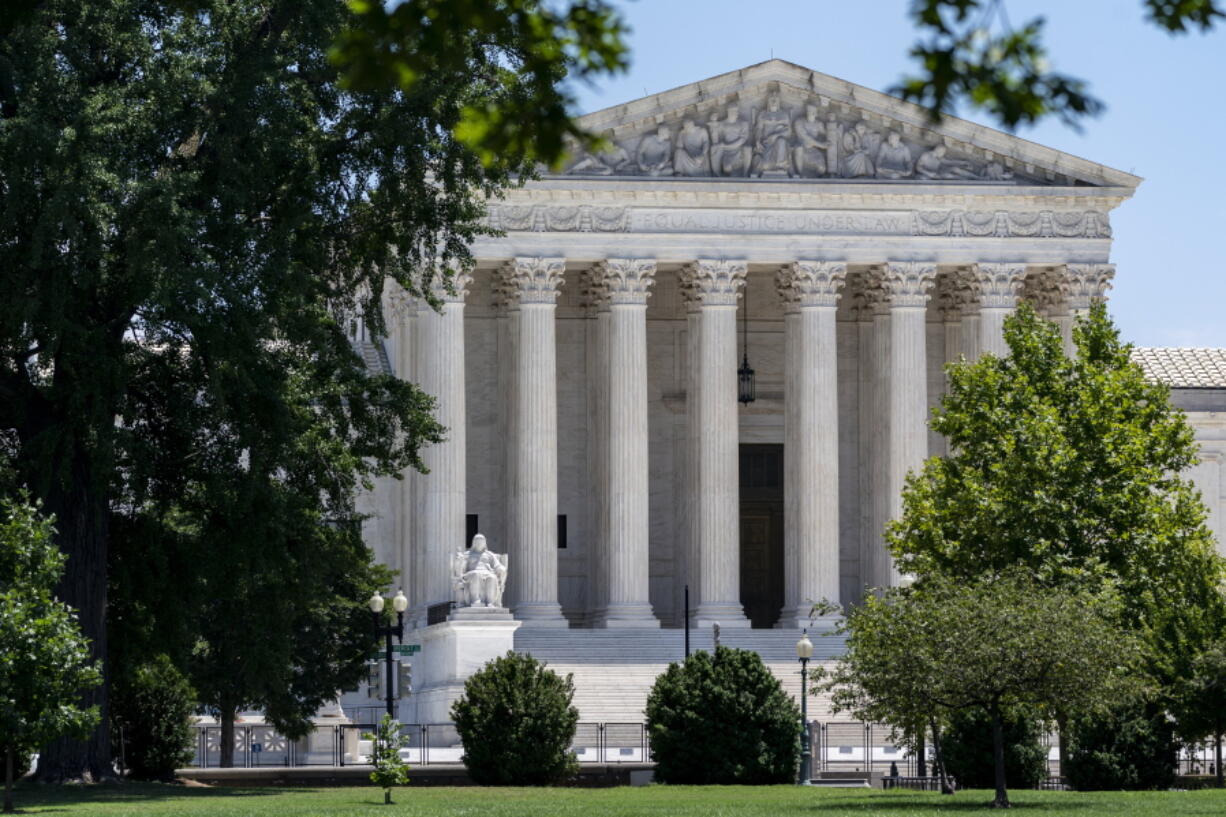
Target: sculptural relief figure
613,159
934,164
809,154
479,575
834,140
692,156
997,172
894,158
857,160
771,133
730,149
655,153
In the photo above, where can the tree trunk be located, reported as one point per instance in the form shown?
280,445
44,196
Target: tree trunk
921,751
998,756
1217,752
939,759
228,713
81,523
8,780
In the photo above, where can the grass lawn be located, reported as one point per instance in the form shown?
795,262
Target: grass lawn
661,801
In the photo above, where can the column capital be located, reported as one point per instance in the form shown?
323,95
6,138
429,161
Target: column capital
535,280
397,301
1086,284
1046,290
450,287
908,283
625,280
955,300
999,283
804,284
713,282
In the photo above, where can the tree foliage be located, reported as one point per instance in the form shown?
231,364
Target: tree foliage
967,747
196,210
994,643
390,768
1070,469
44,659
517,723
1130,746
152,709
970,53
722,718
1200,703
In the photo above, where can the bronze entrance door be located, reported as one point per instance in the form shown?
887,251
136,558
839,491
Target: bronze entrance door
761,487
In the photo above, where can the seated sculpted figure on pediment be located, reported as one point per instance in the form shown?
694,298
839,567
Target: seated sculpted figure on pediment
809,153
730,149
613,159
692,156
655,154
859,147
934,164
771,132
894,158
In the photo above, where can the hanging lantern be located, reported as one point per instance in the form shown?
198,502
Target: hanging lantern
746,392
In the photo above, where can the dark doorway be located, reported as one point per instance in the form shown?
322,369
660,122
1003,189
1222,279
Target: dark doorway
762,533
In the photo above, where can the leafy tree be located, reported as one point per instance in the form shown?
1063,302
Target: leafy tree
194,210
152,708
1201,702
970,53
44,659
1130,746
390,768
517,723
993,643
968,748
722,718
1070,469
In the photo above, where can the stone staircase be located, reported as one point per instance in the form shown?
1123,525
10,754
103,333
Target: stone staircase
614,670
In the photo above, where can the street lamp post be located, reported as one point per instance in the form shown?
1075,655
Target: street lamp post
804,651
399,604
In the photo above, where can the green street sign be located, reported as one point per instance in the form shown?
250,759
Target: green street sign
397,649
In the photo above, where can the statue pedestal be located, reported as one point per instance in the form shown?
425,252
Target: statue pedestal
452,651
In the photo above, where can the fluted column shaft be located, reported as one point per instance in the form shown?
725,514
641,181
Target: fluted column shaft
716,284
626,282
908,285
999,285
875,560
535,566
442,492
811,431
598,443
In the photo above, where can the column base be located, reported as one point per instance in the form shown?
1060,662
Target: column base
625,615
727,614
540,614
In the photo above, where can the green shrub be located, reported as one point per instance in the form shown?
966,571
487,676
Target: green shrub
517,723
723,718
1133,747
151,718
387,741
966,746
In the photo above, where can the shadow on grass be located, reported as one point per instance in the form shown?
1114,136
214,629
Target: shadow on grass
914,803
40,795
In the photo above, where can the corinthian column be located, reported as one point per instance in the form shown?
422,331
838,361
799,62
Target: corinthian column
811,430
625,282
907,285
441,493
999,286
1084,285
534,564
713,287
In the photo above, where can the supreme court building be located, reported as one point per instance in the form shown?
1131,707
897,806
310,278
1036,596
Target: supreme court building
830,238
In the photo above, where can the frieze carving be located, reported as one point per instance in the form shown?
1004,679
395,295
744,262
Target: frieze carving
586,218
713,282
811,139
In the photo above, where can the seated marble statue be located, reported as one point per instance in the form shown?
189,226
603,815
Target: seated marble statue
933,164
612,159
771,133
857,152
730,149
894,158
692,156
655,154
479,575
809,154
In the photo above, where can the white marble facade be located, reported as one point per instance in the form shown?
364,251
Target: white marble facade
587,366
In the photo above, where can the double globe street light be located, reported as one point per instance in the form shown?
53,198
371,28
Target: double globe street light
376,605
804,651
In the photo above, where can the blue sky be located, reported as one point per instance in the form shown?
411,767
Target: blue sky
1165,119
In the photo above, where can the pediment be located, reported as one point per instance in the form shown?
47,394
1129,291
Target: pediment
779,120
